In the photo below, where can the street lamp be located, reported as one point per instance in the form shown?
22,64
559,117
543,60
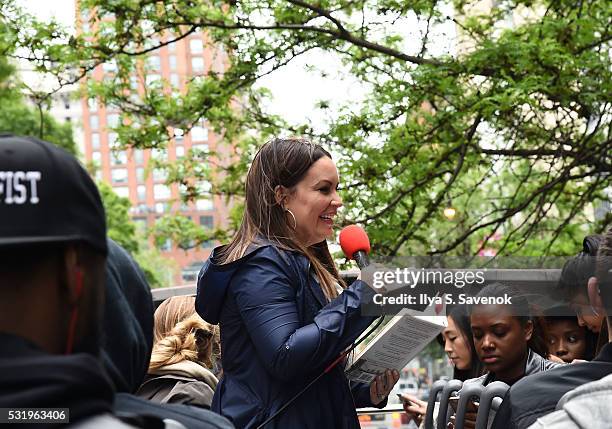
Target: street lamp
449,211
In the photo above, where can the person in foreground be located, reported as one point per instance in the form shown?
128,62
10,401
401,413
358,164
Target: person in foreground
285,314
538,395
52,257
508,341
588,406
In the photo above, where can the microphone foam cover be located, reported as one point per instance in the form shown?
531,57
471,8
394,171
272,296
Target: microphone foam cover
352,239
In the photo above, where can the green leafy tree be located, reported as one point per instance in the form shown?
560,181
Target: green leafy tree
512,127
120,226
159,270
16,115
19,117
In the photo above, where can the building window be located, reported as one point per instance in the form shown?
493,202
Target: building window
199,148
159,174
159,154
122,191
118,157
172,62
196,46
197,64
180,151
166,246
119,175
152,78
160,208
92,103
207,223
94,122
199,134
161,192
204,205
204,186
153,62
96,157
179,135
140,175
112,120
109,66
134,83
138,156
95,141
174,80
141,190
141,223
112,140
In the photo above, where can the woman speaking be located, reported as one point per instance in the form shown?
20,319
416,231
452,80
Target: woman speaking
284,312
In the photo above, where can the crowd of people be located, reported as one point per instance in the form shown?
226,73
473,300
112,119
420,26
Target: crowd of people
264,342
556,361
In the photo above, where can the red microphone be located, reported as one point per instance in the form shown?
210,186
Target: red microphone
355,244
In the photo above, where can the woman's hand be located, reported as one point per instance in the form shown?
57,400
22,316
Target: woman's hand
414,407
555,358
382,385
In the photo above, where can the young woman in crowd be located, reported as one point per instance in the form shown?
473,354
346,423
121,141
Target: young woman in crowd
284,312
183,355
459,347
508,340
565,338
573,285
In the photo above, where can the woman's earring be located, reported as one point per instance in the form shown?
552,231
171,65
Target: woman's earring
293,216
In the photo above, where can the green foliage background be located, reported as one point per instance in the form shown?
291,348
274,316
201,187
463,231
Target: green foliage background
512,127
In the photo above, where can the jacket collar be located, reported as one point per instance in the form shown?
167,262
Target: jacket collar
189,369
535,363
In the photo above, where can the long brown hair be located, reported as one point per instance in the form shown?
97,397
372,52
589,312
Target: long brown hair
281,162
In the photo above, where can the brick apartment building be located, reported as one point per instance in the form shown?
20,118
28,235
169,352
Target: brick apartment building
126,170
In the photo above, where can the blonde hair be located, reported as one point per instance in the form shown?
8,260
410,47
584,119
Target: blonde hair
181,334
281,162
170,312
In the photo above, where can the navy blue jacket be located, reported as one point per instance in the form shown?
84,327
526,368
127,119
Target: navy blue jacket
278,333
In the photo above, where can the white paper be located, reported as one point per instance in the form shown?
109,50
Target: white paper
396,345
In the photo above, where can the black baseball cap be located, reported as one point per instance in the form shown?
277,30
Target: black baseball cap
46,196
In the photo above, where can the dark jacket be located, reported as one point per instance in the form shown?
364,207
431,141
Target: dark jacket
30,377
278,333
185,382
128,320
537,395
585,407
535,364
